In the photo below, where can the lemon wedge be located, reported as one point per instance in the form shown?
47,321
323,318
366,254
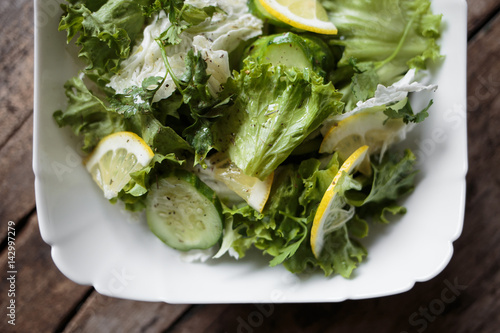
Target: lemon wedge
114,158
366,128
307,15
251,189
331,214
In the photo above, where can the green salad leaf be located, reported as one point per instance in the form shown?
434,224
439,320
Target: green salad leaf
91,117
137,100
276,108
403,110
87,115
392,179
181,16
279,230
105,31
393,34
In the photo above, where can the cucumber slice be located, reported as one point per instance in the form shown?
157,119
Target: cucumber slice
293,50
184,212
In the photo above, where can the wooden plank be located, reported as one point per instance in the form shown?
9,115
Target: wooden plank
16,176
349,316
444,304
16,63
16,107
479,11
43,296
483,70
105,314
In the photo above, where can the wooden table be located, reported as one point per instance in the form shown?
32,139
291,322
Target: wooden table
47,301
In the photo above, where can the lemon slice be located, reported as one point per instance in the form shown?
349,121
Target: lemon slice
251,189
307,15
115,158
331,214
366,128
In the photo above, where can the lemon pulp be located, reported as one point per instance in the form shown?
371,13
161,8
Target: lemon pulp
307,15
115,157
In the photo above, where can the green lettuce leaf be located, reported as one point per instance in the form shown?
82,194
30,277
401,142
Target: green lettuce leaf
137,100
87,115
341,255
283,229
181,16
394,35
342,252
277,231
364,81
275,110
134,193
162,139
392,179
105,32
199,105
316,181
403,110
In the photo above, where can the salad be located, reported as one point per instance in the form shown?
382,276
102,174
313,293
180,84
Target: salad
262,124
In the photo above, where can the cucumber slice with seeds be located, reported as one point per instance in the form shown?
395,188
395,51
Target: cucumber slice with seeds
184,212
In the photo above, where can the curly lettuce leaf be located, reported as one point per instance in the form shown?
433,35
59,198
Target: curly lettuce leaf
133,195
392,179
316,180
277,231
105,32
341,254
137,100
181,16
202,106
90,117
275,110
87,115
283,230
403,110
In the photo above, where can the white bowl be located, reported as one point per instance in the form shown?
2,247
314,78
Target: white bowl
96,243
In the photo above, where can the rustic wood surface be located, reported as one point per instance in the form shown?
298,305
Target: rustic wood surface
46,301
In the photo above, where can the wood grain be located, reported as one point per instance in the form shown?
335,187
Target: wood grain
105,314
44,297
17,179
479,12
16,66
16,109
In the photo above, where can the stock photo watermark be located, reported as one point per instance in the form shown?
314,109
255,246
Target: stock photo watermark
70,162
425,315
120,279
47,11
11,272
257,317
489,87
455,117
